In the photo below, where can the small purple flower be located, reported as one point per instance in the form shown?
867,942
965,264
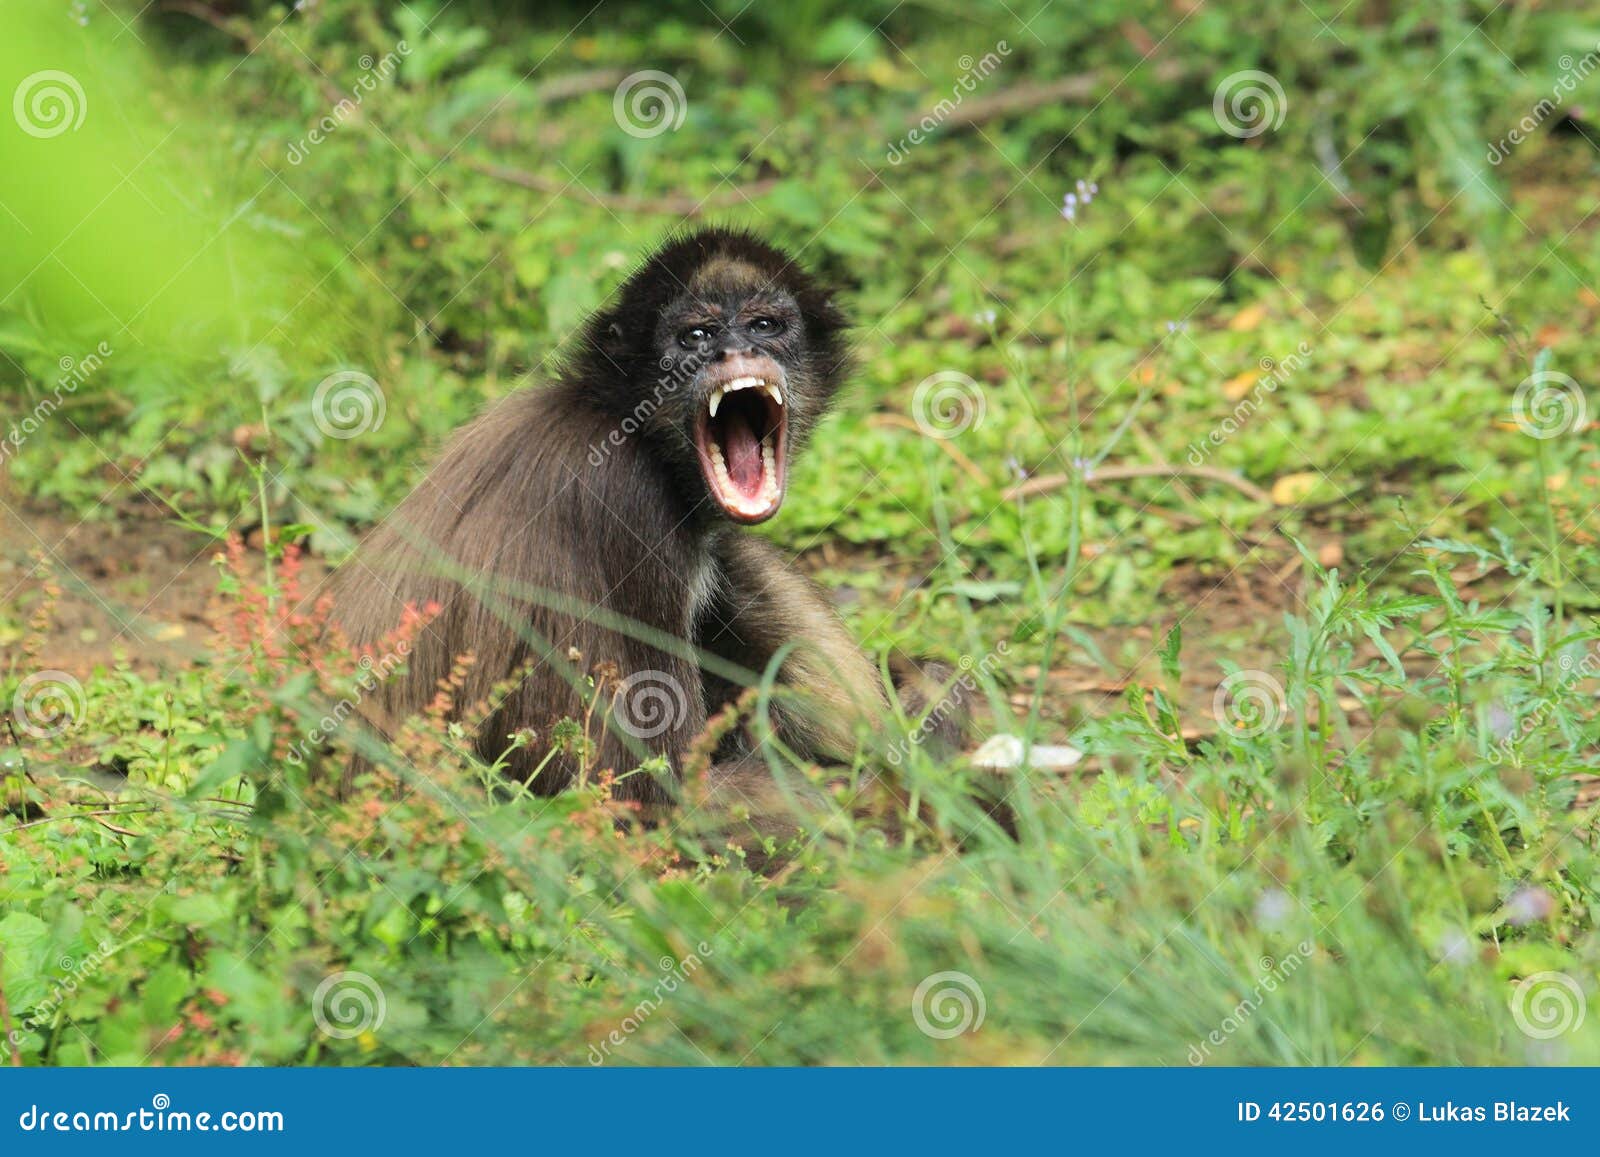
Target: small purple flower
1526,905
1015,467
1083,194
1084,466
1273,907
1454,947
1177,327
984,317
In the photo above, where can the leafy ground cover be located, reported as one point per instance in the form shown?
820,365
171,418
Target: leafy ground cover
1264,476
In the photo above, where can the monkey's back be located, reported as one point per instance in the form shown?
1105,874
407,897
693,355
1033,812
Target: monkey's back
531,544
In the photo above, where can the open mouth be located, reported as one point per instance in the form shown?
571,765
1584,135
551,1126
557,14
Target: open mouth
741,439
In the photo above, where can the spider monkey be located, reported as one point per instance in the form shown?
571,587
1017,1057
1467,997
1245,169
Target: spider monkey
595,524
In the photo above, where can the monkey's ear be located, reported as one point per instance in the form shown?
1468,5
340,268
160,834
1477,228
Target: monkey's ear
609,336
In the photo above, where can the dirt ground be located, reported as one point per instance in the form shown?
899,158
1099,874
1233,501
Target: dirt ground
141,589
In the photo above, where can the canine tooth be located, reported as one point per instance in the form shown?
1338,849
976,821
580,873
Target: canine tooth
716,400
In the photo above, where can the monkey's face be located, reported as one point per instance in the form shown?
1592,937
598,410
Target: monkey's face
722,354
746,349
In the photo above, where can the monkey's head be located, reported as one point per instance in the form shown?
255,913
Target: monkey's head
723,354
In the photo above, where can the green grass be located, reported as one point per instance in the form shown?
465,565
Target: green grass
1337,695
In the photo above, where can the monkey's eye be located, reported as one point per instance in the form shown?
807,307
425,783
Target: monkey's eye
694,338
766,326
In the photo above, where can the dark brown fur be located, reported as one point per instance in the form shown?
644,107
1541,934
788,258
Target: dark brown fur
554,546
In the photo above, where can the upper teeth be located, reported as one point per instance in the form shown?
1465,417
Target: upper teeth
744,383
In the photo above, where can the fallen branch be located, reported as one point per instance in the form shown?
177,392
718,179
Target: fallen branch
672,204
1048,482
901,422
1021,98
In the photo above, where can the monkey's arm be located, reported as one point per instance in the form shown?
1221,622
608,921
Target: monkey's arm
762,604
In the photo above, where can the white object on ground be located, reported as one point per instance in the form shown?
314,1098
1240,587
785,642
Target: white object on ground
1004,753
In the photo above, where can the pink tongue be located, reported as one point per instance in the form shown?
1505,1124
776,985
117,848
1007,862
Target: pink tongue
742,452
